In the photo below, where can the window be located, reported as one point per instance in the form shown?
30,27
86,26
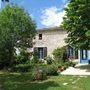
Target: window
84,54
41,52
40,36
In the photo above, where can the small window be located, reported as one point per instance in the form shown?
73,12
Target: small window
40,36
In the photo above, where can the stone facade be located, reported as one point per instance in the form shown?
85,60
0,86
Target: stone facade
52,38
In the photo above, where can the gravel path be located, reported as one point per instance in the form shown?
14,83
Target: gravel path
80,69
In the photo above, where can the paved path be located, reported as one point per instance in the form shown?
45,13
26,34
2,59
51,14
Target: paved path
80,69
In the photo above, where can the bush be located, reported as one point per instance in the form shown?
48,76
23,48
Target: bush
72,64
23,57
67,64
35,59
49,60
22,68
51,70
38,73
60,54
63,66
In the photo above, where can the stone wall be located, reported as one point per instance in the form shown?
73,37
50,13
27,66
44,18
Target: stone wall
51,39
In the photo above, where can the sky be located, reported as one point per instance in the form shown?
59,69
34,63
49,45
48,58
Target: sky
46,13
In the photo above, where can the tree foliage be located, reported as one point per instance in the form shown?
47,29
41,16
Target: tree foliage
60,54
77,23
17,30
23,57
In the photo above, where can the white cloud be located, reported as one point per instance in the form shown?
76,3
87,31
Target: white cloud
31,15
64,0
52,17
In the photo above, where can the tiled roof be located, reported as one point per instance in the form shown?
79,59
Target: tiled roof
50,29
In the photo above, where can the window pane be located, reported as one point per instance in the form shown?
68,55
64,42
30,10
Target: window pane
41,53
84,54
40,36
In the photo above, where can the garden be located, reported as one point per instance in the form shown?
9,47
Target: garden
18,81
38,69
17,31
23,70
31,73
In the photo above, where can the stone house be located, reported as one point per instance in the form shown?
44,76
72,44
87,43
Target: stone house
48,39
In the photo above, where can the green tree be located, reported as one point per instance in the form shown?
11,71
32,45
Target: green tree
17,30
77,23
60,54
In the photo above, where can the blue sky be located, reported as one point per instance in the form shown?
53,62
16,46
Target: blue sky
46,13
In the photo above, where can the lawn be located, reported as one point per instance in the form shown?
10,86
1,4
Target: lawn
16,81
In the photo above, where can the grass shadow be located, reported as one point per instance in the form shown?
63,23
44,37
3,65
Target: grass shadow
22,82
39,86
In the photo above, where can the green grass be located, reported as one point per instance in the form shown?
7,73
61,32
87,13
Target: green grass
22,82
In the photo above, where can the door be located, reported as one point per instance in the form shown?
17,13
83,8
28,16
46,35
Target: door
83,56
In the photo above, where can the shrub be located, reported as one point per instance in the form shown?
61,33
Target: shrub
22,68
23,57
72,64
60,54
49,60
35,59
67,64
41,62
51,70
38,73
59,66
63,66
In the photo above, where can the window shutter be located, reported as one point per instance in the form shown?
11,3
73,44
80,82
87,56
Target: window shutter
36,51
45,51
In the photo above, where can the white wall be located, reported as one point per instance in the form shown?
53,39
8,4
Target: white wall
88,54
51,39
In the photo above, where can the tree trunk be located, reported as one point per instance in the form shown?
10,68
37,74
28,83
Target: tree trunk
11,56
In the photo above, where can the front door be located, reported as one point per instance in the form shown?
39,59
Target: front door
84,56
